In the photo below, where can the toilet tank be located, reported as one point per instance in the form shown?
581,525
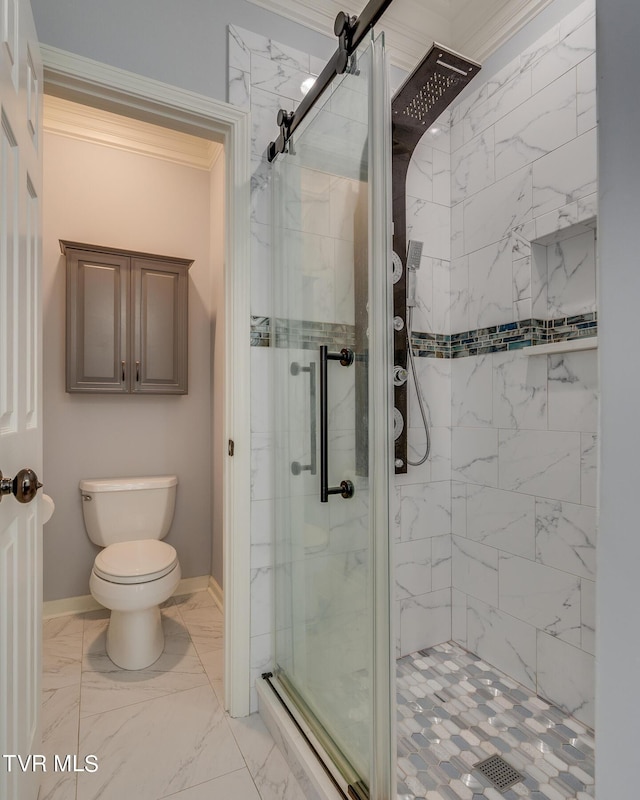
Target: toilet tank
128,509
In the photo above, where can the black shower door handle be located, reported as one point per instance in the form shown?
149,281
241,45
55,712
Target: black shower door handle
345,357
296,466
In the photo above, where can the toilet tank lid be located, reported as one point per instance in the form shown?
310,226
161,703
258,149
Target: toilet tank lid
127,484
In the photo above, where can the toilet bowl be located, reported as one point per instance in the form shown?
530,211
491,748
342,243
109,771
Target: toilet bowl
136,571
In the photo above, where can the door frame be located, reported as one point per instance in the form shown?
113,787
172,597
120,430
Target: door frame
96,84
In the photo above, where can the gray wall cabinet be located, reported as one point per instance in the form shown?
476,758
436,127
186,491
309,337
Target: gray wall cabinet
127,321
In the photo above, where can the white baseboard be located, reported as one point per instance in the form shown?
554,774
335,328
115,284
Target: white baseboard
215,590
79,605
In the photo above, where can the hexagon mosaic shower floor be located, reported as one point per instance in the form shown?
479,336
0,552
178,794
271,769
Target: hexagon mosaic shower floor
454,711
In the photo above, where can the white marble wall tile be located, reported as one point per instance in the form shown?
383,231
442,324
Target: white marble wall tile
440,562
457,231
261,290
316,65
425,510
519,391
413,568
464,108
459,617
541,124
262,483
522,309
440,316
441,177
504,520
459,280
566,174
501,102
239,88
543,45
474,455
551,227
573,391
278,77
586,96
588,210
566,537
490,285
491,214
502,640
566,677
250,41
419,181
262,522
589,469
239,53
438,135
440,455
588,600
544,597
260,191
458,508
472,391
429,223
416,447
571,50
425,621
576,18
434,375
571,265
261,600
521,289
290,56
472,166
264,108
503,76
544,463
474,569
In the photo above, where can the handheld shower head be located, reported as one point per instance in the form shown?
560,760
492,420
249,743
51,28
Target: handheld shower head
414,254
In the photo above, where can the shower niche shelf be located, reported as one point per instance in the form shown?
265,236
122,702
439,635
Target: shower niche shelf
127,321
570,346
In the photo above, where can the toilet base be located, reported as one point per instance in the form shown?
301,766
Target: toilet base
135,639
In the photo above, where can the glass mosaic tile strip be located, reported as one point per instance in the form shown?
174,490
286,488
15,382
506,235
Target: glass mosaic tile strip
455,710
308,335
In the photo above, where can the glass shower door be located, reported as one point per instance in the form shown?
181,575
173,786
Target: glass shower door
331,331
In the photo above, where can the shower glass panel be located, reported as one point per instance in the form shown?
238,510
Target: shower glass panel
332,336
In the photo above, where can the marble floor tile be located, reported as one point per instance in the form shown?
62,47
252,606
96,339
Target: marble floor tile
160,732
144,754
238,785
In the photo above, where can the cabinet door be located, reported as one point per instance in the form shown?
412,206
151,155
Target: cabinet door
97,314
159,319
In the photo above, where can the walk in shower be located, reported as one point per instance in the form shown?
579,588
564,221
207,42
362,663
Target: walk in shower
433,624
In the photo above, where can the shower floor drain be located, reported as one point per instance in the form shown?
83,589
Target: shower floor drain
501,774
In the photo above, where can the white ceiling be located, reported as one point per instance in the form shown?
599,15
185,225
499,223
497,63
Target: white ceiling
474,28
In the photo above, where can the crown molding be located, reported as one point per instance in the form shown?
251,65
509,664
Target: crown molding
80,122
474,28
409,25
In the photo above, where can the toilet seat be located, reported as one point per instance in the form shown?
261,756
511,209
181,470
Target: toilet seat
135,562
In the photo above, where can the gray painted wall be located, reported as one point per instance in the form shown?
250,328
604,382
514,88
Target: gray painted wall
101,195
180,43
618,645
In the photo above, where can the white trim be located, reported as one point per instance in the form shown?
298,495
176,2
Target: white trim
79,122
84,80
215,590
85,602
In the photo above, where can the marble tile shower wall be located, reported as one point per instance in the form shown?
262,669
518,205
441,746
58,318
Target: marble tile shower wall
523,441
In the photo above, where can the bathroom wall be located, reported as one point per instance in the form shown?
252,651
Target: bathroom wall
97,194
523,446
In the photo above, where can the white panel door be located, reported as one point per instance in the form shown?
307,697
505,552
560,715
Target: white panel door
20,396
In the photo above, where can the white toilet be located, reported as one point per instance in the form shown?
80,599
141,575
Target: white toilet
135,572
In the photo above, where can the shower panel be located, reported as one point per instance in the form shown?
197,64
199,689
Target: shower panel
428,91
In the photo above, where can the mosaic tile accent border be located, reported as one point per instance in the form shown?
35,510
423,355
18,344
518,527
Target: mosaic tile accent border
492,339
455,710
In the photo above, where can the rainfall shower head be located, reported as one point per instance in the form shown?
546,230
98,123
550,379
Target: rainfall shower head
432,86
